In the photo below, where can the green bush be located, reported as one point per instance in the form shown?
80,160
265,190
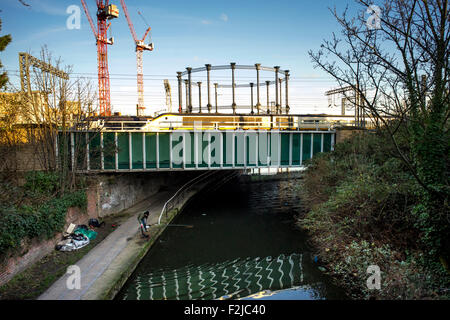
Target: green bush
41,219
364,207
44,183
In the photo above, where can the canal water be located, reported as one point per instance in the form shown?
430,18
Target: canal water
235,241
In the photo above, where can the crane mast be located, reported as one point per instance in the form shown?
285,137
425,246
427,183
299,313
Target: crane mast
105,12
140,48
168,95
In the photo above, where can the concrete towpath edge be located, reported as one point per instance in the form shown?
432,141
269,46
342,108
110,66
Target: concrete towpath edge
118,272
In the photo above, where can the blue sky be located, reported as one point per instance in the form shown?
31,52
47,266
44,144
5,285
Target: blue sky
185,33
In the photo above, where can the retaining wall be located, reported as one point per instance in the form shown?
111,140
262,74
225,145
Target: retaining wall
107,195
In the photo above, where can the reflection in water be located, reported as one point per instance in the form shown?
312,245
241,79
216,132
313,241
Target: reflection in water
227,280
237,224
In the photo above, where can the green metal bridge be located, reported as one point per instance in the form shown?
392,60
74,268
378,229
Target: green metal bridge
174,142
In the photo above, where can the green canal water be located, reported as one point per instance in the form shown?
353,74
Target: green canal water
243,241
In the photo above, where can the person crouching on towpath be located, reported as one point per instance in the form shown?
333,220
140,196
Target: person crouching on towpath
142,218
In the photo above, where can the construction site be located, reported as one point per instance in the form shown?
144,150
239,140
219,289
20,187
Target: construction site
229,96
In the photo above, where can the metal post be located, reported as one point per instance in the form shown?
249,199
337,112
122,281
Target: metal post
321,142
102,152
184,149
170,150
332,141
286,79
189,70
144,153
208,75
251,99
281,95
199,97
180,93
268,102
301,148
277,105
258,104
116,151
209,150
290,148
216,85
233,85
186,82
130,151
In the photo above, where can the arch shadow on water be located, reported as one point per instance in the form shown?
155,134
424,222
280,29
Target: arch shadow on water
244,242
228,280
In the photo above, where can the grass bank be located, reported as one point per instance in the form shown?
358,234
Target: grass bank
360,210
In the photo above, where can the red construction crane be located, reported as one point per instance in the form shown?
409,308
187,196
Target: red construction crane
140,48
105,12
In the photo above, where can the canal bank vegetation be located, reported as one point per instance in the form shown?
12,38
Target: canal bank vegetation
364,208
36,209
383,198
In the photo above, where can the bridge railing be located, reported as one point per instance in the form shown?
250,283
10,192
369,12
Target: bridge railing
244,125
180,196
173,122
220,124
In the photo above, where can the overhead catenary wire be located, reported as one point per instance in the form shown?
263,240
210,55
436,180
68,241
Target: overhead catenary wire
123,90
165,76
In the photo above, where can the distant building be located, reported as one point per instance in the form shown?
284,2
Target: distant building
16,109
